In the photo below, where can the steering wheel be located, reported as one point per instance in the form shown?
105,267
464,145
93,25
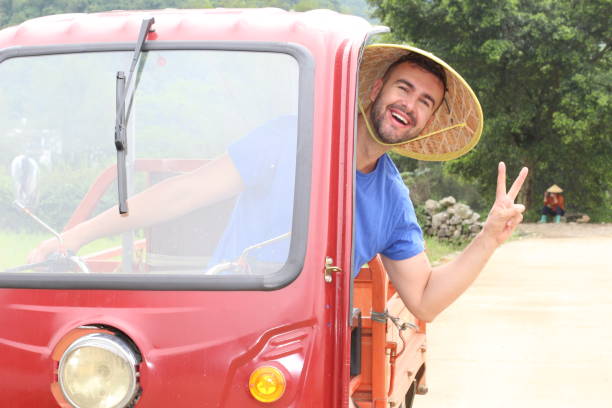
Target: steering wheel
56,262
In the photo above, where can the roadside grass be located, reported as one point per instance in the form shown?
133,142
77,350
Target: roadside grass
439,251
15,246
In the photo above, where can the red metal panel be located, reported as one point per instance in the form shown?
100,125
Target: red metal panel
319,30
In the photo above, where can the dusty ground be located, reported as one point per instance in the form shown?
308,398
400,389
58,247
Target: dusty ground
564,230
535,329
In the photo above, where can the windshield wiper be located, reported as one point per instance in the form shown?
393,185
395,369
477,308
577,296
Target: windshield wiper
125,92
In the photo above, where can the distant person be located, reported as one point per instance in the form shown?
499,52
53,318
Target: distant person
554,204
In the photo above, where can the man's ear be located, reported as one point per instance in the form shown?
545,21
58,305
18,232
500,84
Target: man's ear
376,89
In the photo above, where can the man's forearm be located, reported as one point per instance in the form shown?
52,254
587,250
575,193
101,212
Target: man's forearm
426,291
164,201
447,282
155,204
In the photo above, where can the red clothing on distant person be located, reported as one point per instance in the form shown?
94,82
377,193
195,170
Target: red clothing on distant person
554,201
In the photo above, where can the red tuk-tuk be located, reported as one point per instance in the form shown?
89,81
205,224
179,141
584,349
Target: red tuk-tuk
99,107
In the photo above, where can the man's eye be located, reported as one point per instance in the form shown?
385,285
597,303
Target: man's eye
425,102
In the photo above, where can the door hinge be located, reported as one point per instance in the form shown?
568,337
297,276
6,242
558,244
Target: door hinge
330,268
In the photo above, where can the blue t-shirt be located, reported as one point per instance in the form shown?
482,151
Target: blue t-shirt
265,159
385,221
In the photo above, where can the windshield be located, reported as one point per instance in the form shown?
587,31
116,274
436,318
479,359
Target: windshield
211,164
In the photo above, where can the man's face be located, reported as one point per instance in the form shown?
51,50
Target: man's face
404,102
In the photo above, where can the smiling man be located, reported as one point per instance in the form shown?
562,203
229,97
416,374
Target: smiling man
417,105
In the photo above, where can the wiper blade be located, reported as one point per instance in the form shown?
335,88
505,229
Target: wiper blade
121,144
125,93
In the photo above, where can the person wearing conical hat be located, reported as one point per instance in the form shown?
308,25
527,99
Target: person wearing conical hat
415,104
554,204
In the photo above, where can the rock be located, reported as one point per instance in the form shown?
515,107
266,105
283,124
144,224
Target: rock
463,211
448,219
577,217
431,206
443,232
439,219
475,228
584,219
455,219
447,201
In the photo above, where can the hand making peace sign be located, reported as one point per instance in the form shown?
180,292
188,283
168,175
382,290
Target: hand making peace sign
505,215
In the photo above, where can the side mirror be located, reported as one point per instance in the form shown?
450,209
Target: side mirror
24,171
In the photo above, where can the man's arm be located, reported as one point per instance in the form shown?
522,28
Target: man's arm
175,196
426,291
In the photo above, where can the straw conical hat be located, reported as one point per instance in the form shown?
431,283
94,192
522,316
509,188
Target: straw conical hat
554,189
457,124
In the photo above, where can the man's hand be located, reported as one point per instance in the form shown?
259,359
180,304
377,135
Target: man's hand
505,215
46,248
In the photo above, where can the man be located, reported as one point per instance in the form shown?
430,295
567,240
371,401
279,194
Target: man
403,90
404,105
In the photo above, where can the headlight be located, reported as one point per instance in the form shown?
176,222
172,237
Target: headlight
98,371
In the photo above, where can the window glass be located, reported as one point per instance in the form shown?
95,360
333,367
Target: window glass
211,162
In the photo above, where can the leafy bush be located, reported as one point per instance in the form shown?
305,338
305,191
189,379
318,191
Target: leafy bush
432,181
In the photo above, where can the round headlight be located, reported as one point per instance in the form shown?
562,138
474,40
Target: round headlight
98,371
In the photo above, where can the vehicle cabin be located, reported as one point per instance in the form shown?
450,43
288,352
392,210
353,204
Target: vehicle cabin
97,108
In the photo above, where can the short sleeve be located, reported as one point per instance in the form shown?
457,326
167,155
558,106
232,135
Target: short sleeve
406,239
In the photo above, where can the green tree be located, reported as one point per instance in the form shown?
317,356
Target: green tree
541,69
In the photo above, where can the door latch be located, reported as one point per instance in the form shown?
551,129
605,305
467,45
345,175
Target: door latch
330,268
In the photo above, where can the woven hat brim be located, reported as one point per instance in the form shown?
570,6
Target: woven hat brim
554,189
456,126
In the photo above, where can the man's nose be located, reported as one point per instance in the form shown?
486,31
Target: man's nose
410,102
407,103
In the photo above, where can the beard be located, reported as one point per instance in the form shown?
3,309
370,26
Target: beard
388,134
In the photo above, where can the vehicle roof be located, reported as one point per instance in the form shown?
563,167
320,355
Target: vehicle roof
267,24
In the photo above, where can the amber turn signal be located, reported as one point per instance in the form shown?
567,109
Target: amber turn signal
267,384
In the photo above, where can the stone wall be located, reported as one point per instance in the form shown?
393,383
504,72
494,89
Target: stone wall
448,219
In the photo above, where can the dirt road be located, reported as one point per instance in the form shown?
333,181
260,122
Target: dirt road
535,329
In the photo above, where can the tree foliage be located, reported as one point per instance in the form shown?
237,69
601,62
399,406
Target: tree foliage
541,69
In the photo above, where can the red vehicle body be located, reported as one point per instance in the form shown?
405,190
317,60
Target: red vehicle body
198,348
